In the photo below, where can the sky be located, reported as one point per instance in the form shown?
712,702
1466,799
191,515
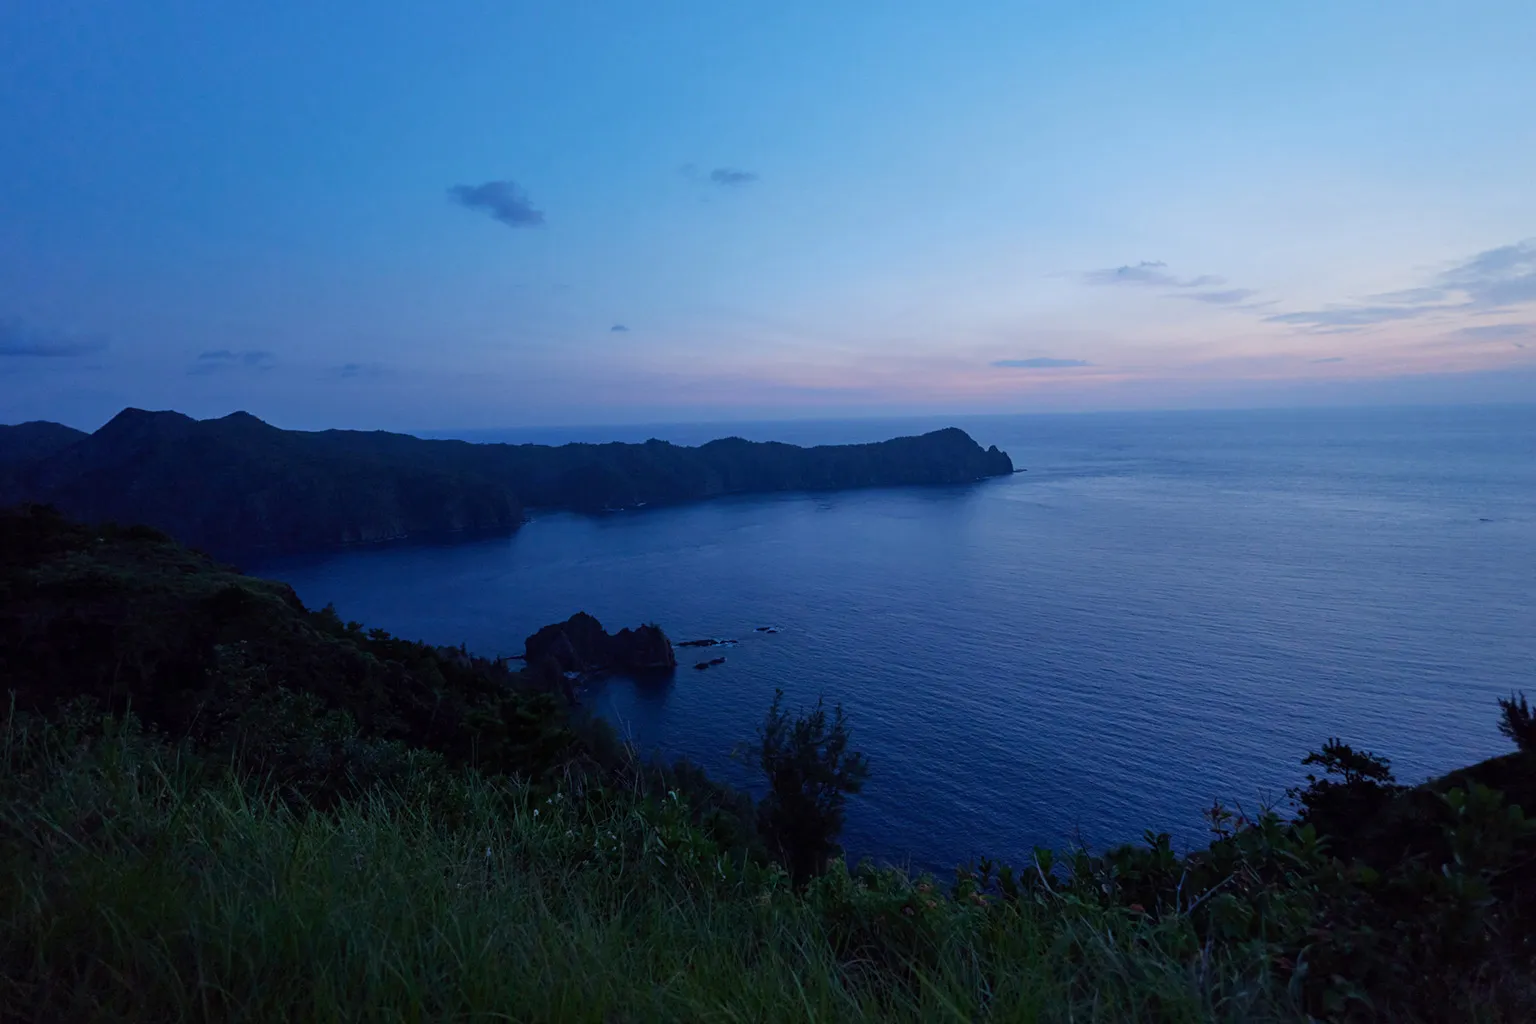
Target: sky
491,214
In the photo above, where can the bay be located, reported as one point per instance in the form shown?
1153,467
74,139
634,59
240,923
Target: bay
1162,610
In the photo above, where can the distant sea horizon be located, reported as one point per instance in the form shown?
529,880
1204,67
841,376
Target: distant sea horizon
865,429
1163,609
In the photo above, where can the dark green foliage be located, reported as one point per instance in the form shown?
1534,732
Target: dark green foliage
1355,786
810,773
1379,902
1517,722
241,488
142,883
203,780
320,708
128,619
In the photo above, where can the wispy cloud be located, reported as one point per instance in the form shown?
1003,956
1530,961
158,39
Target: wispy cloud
619,328
16,339
1351,316
223,359
731,176
1039,363
1410,295
503,200
1328,359
1497,332
1226,297
1494,279
1148,273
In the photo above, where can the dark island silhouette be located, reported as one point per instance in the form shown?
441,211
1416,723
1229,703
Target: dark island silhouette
242,489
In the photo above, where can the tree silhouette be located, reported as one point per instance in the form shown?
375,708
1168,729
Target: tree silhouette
810,774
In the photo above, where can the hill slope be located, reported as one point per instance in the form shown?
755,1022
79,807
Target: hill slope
28,442
241,488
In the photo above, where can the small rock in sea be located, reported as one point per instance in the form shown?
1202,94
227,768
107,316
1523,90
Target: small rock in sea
701,666
717,661
707,643
767,629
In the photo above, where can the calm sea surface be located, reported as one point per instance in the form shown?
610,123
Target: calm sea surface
1164,609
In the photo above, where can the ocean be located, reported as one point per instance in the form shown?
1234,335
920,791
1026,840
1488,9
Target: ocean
1162,610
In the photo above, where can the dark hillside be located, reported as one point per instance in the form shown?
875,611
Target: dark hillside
129,619
28,442
238,487
241,488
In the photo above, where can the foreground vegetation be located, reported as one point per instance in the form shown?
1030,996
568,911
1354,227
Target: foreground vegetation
217,805
150,885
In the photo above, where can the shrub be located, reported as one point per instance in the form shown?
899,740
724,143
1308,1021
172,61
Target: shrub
810,773
1354,787
1517,722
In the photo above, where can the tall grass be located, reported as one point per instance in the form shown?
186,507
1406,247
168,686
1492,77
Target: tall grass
143,884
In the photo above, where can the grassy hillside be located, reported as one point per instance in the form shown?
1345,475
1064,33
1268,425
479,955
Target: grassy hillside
216,804
146,885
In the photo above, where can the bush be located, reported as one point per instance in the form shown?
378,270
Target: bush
1517,722
810,773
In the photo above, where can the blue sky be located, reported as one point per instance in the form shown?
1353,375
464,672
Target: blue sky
480,214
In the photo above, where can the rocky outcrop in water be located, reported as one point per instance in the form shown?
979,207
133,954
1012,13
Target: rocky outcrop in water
580,645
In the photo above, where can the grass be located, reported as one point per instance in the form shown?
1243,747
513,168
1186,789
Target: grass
144,884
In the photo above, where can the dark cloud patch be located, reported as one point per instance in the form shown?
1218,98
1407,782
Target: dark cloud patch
1328,359
357,371
619,328
223,360
1039,363
1225,297
731,177
1148,273
503,200
18,340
